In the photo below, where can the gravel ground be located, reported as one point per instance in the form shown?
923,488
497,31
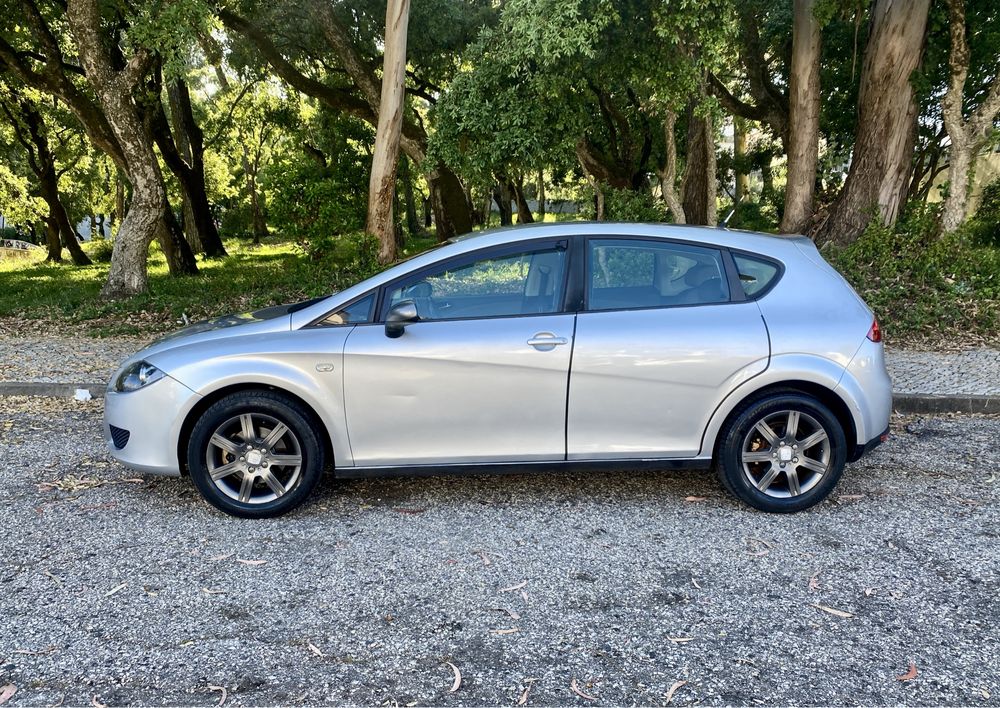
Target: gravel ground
117,590
85,360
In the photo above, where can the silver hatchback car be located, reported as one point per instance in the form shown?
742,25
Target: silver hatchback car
582,346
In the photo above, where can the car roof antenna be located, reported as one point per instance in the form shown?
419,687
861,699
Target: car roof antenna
725,222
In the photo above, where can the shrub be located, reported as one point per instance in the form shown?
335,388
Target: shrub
628,205
921,282
99,250
984,227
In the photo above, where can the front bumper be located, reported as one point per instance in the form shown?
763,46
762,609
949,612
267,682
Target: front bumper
152,418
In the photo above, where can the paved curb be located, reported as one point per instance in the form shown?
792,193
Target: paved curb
44,388
936,403
901,402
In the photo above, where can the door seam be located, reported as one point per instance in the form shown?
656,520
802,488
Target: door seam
569,374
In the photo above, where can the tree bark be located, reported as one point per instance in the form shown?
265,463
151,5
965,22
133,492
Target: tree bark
668,173
452,213
540,194
887,111
52,243
524,215
968,136
698,186
114,87
382,185
803,118
501,195
412,221
742,179
190,170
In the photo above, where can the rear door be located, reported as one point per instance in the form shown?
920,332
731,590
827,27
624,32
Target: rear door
659,343
482,377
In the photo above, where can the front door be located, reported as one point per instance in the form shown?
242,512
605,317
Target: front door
481,377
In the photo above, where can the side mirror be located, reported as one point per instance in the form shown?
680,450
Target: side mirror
398,317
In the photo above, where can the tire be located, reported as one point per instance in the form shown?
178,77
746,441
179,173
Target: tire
758,463
268,476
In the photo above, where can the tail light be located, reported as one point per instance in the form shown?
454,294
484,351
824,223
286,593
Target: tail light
875,332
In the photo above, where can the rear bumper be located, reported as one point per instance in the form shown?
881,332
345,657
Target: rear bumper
862,450
147,425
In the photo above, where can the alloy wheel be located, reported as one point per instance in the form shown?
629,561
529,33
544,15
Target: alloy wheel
786,453
254,458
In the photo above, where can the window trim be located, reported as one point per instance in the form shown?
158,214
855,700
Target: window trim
722,251
318,322
470,257
733,252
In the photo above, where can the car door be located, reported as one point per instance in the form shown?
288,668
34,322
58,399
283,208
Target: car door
659,344
481,377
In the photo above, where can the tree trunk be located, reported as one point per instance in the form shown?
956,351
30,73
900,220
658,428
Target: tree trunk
382,185
668,173
968,137
540,194
698,187
803,123
119,199
887,112
52,243
176,249
501,195
452,213
742,179
524,215
257,217
187,162
128,274
412,221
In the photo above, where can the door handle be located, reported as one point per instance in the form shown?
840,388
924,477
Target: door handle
546,340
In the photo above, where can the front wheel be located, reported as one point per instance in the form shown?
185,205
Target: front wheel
255,454
782,453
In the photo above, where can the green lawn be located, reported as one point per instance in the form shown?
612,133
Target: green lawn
248,279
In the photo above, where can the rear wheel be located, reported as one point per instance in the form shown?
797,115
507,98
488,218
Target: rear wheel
782,453
255,454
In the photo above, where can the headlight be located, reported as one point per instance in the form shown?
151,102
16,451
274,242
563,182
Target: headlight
136,376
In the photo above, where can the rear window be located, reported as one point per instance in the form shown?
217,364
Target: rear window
756,274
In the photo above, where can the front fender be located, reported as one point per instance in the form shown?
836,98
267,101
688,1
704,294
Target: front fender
307,364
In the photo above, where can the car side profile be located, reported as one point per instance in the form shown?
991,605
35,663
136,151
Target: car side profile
573,345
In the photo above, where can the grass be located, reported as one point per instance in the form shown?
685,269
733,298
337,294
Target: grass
248,279
926,289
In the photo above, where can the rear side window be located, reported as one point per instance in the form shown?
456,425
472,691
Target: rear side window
630,274
756,274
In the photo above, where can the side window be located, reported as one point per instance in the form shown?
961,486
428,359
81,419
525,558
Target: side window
358,312
517,284
755,274
624,274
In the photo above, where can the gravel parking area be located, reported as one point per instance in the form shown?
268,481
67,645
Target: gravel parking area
121,590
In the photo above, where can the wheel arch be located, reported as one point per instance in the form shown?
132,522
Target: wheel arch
214,396
825,393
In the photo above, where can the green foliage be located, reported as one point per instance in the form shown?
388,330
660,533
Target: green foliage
99,250
628,205
984,227
923,284
313,205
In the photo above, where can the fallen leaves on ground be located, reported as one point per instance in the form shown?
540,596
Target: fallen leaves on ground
512,630
575,687
681,640
52,576
213,591
246,561
7,692
72,483
115,590
222,689
814,582
758,547
221,556
513,615
95,701
512,588
833,611
39,652
457,684
909,675
673,690
695,499
315,650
